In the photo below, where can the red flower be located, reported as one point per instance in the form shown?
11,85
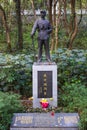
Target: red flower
44,103
52,113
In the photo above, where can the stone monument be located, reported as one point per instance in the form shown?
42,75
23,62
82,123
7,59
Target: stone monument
44,73
44,87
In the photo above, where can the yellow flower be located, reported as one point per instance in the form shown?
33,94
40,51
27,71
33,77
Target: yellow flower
31,98
43,100
51,99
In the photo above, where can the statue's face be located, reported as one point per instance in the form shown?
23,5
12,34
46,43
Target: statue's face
43,14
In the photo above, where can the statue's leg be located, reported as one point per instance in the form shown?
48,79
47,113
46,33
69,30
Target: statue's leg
40,45
47,51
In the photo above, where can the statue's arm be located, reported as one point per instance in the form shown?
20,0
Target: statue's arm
34,28
49,28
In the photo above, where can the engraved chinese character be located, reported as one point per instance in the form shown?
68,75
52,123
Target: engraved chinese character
44,75
45,80
45,84
45,93
40,90
45,88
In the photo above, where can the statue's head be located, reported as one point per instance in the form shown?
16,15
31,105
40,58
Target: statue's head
43,13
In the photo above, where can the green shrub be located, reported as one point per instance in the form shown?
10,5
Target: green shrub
83,119
17,76
16,73
9,104
72,65
16,79
72,82
73,98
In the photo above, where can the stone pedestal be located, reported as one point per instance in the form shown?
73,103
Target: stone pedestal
45,121
44,83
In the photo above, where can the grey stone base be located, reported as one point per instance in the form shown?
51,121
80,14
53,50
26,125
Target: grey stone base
44,129
42,68
45,121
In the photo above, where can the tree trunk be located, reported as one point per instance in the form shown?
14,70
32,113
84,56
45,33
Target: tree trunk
53,24
74,24
66,26
81,12
6,28
54,41
32,2
57,25
19,23
74,33
50,10
56,34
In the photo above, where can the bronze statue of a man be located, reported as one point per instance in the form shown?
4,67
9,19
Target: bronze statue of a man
44,29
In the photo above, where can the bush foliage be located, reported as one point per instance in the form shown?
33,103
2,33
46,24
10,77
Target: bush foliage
72,82
9,104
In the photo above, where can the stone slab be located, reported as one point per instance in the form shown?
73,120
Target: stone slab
44,129
44,83
30,121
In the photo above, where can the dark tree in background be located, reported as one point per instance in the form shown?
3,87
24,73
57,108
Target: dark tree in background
4,19
73,23
19,24
50,9
61,20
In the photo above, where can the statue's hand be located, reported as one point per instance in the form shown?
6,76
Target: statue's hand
49,31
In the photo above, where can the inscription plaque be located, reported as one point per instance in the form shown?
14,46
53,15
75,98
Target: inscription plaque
44,84
60,121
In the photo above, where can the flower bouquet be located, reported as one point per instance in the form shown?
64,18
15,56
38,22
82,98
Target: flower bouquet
44,103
